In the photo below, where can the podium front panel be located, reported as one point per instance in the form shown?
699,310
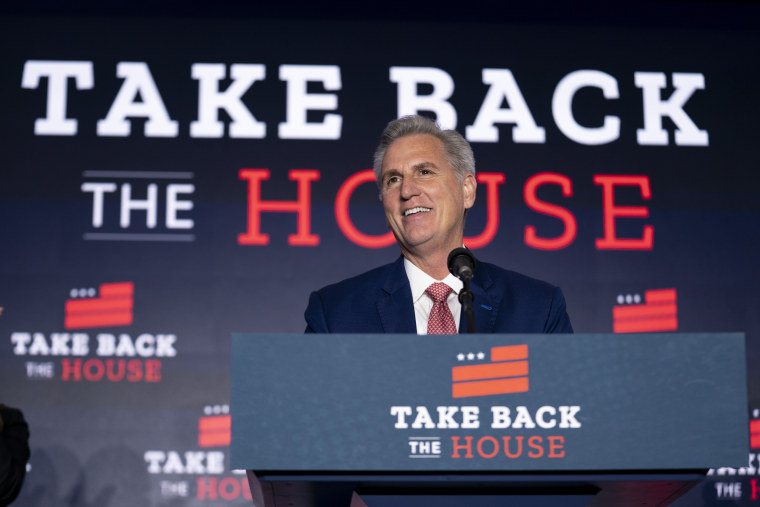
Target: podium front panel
488,402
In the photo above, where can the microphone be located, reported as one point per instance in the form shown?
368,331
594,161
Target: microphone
461,264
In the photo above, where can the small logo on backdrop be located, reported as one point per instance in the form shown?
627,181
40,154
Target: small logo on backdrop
754,430
215,430
658,312
200,474
77,355
110,305
507,372
730,483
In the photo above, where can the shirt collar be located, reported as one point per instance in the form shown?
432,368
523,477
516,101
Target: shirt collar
419,280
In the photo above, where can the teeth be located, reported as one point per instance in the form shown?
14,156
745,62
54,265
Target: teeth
415,210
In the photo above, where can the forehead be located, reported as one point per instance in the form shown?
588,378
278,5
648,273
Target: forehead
413,150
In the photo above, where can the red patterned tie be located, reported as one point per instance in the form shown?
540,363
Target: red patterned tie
440,321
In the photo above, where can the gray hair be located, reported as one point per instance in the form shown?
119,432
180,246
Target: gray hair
458,150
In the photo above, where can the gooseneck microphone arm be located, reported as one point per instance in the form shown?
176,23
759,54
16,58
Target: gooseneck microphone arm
461,264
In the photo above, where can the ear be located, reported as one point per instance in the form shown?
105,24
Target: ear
469,185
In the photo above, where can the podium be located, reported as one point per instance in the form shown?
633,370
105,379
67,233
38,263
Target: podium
585,419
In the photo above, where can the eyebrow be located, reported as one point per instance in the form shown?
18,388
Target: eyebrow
390,172
396,172
424,165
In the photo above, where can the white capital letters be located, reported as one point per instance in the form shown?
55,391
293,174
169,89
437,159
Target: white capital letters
165,345
685,84
409,102
446,417
567,415
215,462
106,344
98,191
541,420
55,122
523,418
501,417
137,80
300,102
80,344
562,107
59,344
128,204
154,459
423,419
20,341
145,345
470,418
173,204
401,413
504,86
211,100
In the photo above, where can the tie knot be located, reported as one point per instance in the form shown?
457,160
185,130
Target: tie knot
438,291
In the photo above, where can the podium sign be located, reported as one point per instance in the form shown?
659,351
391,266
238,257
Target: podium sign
486,403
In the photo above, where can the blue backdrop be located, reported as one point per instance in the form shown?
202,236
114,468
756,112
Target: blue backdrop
167,180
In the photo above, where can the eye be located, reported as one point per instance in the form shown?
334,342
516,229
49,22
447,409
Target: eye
390,180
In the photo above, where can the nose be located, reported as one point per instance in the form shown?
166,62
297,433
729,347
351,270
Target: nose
408,188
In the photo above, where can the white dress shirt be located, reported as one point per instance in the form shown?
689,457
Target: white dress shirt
419,281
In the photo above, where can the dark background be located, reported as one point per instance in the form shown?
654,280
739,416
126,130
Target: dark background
90,439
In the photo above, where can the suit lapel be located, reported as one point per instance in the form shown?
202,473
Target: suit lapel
485,303
394,305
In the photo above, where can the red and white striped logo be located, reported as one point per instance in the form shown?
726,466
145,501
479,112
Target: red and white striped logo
507,372
659,312
112,306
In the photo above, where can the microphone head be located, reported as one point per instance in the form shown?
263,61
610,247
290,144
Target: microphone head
461,263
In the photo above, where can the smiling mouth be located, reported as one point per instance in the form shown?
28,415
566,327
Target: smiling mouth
416,210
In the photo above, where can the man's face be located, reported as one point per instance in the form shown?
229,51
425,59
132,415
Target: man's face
423,199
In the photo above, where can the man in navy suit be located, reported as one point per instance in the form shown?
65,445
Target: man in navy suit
427,183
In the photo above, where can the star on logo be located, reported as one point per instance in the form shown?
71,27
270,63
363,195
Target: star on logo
481,355
460,357
470,356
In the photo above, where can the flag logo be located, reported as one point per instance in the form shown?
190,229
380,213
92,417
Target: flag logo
507,372
111,307
659,312
754,434
214,430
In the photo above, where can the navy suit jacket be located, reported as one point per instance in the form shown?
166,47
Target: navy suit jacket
380,301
